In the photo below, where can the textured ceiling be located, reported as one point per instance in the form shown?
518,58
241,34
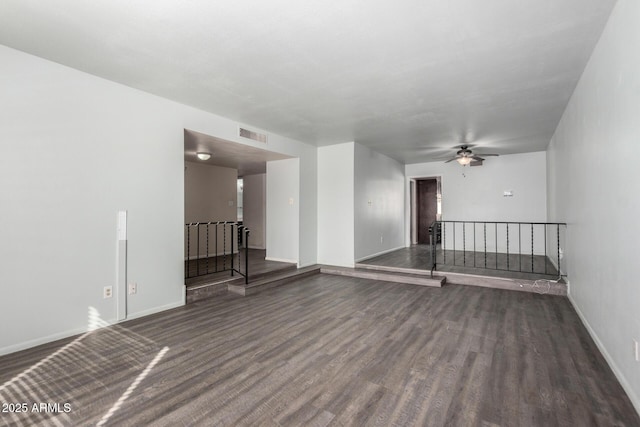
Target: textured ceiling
411,79
246,159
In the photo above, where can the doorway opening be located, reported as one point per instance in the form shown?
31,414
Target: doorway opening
225,195
426,207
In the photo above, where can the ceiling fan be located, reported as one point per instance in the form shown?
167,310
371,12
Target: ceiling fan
465,156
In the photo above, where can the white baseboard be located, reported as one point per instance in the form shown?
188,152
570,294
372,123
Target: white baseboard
43,340
155,310
291,261
308,264
73,332
380,253
619,375
334,264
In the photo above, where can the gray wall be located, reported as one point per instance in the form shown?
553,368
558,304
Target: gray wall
594,182
476,194
335,204
254,209
283,204
210,194
360,204
378,203
74,150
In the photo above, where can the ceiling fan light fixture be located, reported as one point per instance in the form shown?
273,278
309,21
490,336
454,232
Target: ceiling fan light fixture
203,156
464,160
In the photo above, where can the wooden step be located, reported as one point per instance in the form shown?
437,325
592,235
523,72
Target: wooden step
387,268
200,291
202,287
541,286
273,280
386,276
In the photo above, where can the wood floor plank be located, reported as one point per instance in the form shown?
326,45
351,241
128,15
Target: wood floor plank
330,351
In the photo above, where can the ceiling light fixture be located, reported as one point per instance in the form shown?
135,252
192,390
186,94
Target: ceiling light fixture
464,160
203,156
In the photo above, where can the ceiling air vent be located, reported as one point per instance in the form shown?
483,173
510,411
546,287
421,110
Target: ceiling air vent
246,133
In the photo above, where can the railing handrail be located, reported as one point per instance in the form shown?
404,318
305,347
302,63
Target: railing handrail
234,238
439,230
190,224
499,222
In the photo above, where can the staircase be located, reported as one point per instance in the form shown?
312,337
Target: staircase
272,280
206,288
409,276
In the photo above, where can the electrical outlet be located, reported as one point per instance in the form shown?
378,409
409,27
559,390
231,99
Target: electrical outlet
381,239
636,351
107,292
133,288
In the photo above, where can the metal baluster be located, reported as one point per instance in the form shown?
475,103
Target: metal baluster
246,256
485,244
474,243
224,246
464,243
454,243
207,254
545,249
558,245
444,244
520,246
217,226
496,242
198,250
234,236
434,245
507,246
532,247
188,249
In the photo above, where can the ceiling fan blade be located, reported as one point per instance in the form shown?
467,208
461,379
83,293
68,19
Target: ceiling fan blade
451,160
477,158
487,155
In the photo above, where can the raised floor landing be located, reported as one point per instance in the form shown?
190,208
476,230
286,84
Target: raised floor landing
499,265
415,260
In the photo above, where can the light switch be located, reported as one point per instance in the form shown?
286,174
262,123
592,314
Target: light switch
507,193
291,200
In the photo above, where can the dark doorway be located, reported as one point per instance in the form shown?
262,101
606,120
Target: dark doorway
427,207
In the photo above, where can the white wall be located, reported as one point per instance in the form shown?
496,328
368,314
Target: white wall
335,204
476,193
378,203
308,206
75,149
254,209
283,201
594,182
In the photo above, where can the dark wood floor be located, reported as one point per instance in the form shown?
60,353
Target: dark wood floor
469,262
330,350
